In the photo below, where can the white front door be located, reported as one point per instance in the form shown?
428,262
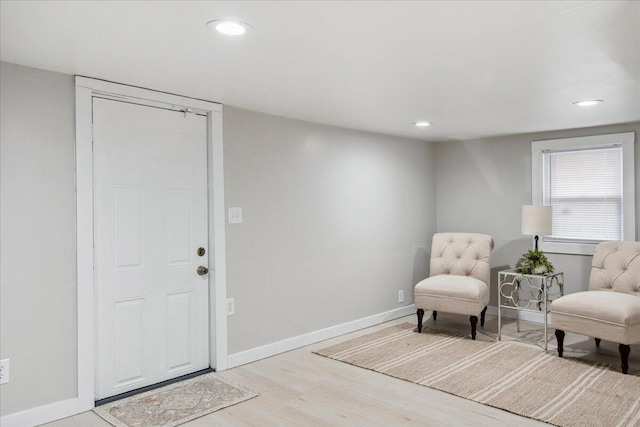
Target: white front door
150,219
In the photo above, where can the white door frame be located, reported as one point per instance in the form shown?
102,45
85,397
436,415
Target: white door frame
86,89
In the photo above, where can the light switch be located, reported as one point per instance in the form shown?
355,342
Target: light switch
235,215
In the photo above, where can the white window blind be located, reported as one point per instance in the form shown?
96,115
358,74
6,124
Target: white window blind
585,188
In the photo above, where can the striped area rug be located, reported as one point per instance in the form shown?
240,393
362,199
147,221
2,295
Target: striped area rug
523,380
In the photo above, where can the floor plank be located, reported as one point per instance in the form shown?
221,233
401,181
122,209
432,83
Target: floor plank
301,388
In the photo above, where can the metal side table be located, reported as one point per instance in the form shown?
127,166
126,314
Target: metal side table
528,292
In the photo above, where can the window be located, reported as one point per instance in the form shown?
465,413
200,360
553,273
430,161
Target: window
589,181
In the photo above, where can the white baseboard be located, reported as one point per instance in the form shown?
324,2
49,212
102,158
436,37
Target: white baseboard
269,350
527,316
41,414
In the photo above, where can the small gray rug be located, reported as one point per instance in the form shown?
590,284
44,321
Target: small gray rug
176,403
520,379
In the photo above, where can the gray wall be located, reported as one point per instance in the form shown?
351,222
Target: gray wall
482,185
37,237
335,223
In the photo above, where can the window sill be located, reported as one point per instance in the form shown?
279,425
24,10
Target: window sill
568,248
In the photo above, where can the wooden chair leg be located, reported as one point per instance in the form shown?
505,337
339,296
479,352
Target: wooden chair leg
598,342
435,314
474,322
624,357
560,339
420,314
484,311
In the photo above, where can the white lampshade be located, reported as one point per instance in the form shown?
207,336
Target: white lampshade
536,220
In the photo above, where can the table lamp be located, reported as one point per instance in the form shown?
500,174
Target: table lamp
536,221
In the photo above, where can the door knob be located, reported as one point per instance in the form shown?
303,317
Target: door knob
202,270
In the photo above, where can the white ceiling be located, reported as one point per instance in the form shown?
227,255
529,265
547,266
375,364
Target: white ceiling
472,68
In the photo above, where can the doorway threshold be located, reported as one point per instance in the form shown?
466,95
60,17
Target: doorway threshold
152,386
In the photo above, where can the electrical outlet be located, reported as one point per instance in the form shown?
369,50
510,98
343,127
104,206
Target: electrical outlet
400,296
231,306
4,371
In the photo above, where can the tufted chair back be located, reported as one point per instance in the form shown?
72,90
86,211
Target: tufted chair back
462,254
616,267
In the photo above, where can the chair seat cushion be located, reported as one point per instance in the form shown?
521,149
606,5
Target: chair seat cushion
611,307
452,293
612,316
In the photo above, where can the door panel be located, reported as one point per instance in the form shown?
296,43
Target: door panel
128,207
128,330
179,321
150,208
179,230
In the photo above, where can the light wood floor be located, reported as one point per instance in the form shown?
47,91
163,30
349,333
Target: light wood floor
299,388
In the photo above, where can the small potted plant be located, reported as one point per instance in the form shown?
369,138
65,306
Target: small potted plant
534,262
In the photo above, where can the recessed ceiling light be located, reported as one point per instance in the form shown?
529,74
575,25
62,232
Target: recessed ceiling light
229,27
422,124
588,102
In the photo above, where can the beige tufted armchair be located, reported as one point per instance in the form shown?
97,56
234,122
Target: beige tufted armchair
610,309
459,281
